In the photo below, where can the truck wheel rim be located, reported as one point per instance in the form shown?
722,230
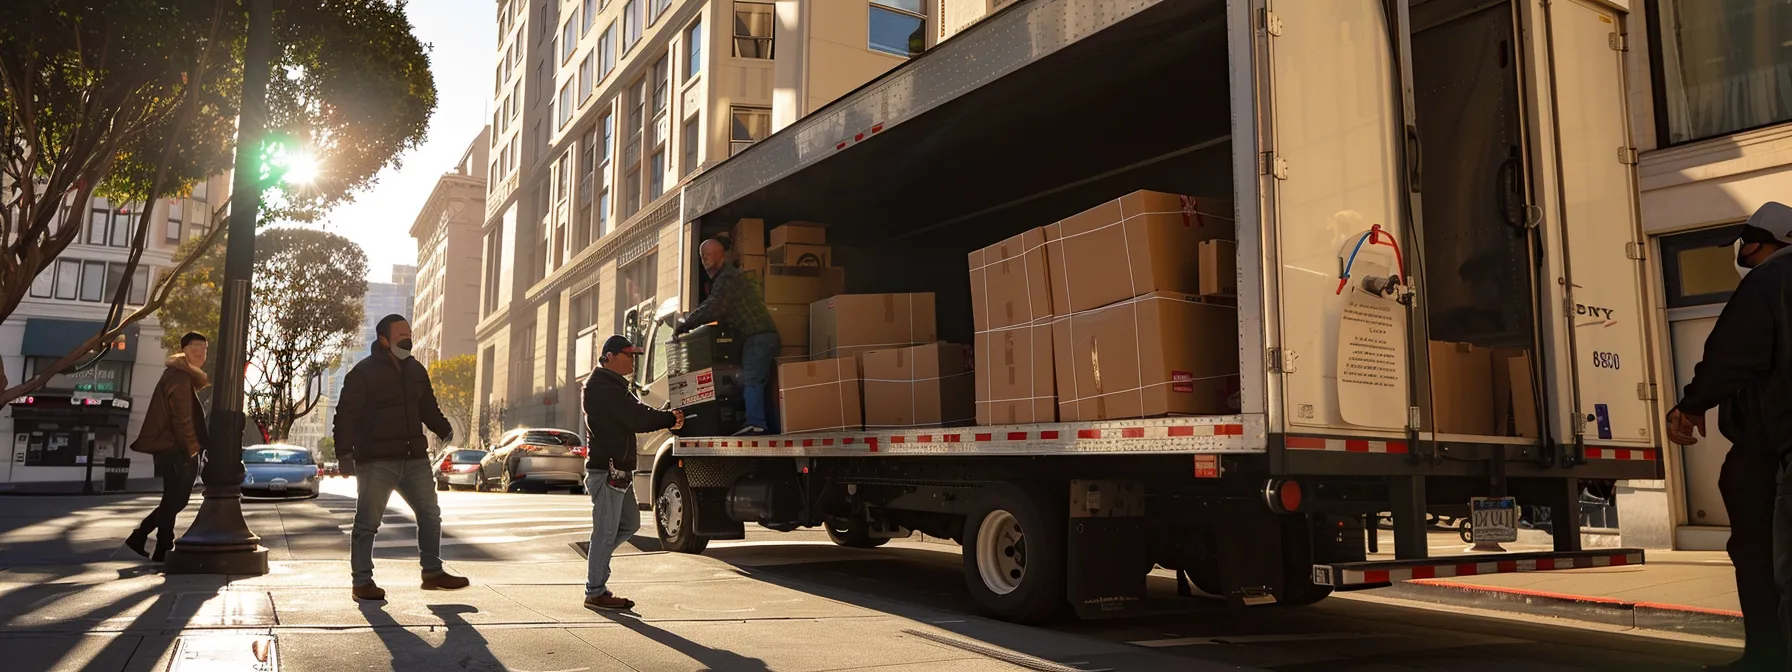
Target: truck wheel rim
1001,552
671,510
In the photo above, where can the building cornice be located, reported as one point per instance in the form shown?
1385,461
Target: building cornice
449,187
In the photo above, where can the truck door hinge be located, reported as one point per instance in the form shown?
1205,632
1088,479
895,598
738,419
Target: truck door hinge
1627,156
1619,41
1270,23
1645,391
1270,164
1281,360
1635,251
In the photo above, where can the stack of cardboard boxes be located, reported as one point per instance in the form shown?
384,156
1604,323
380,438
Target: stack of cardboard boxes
1140,327
1480,391
795,271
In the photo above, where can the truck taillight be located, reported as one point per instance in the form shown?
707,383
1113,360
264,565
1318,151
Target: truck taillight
1283,495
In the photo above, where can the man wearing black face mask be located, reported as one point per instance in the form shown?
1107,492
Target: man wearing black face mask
1747,375
385,404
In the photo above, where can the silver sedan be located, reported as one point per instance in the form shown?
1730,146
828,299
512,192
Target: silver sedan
279,471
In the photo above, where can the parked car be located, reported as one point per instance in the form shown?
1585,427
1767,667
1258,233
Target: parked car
535,458
275,470
458,469
332,469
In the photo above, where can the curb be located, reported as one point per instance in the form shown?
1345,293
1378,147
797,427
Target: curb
1675,618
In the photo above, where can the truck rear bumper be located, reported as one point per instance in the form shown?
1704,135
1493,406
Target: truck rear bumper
1377,573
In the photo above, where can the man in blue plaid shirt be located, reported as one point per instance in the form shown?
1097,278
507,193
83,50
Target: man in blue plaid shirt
735,302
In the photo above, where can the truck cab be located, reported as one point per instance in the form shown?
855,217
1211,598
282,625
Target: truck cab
650,326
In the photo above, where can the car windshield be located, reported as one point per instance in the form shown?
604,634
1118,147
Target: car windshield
467,456
276,456
553,439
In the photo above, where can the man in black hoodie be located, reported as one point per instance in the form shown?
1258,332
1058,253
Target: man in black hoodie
613,416
1747,374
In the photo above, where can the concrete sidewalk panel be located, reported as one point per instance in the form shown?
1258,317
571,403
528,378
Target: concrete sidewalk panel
405,605
797,646
69,652
458,647
1609,611
723,600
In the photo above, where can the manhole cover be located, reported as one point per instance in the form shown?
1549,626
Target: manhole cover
225,653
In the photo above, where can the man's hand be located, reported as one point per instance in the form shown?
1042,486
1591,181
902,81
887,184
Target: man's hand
1682,425
345,466
677,420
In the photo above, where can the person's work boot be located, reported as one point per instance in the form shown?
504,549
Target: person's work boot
138,542
370,593
162,549
609,601
750,430
440,580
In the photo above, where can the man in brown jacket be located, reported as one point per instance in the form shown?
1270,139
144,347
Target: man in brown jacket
174,432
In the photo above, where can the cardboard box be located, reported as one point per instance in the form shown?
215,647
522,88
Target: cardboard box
1014,375
802,284
801,254
1009,283
923,386
799,232
749,237
753,265
1131,246
1162,353
1218,265
792,320
1461,389
1514,396
854,323
820,396
793,352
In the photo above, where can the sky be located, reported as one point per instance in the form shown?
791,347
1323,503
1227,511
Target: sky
460,35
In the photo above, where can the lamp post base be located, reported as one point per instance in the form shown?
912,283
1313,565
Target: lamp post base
219,541
253,562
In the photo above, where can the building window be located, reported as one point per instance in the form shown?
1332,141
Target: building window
897,27
99,222
635,284
601,226
494,249
631,24
590,17
1699,267
606,49
44,285
569,39
93,281
564,113
139,286
631,192
753,29
587,77
1724,66
750,125
662,76
172,234
693,50
691,141
656,175
655,8
68,279
122,222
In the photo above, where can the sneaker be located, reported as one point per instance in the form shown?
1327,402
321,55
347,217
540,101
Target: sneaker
750,430
370,593
609,601
444,581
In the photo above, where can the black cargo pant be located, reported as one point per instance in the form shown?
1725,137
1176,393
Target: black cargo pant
1748,484
178,470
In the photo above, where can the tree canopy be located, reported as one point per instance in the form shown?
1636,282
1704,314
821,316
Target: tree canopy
452,379
308,306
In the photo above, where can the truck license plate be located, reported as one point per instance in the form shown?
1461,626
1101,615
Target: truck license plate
1493,519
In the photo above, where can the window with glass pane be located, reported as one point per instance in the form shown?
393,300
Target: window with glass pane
173,233
898,27
114,277
587,77
563,174
587,164
753,30
123,223
602,225
631,23
693,50
661,76
606,48
1699,267
565,112
609,132
1726,66
590,16
93,280
631,192
569,39
199,191
749,125
98,223
44,285
139,286
656,175
691,142
68,278
656,8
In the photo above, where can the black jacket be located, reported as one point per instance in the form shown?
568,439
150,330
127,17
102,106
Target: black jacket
383,408
1747,369
613,416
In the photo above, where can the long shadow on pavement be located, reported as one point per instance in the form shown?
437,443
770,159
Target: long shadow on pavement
462,645
710,658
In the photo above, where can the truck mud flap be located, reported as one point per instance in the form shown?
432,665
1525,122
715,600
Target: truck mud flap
712,521
1378,573
1105,549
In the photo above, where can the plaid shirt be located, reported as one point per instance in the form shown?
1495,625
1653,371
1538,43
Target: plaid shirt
736,302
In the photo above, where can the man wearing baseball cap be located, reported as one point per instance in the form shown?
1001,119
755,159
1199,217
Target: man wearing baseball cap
613,416
1747,374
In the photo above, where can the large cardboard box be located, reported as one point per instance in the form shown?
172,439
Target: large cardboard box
792,320
749,237
923,386
1009,283
1014,375
1131,246
802,284
801,254
753,265
1161,353
820,396
854,323
1461,389
1514,396
1218,265
799,232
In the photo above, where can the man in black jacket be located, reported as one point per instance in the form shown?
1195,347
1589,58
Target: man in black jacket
1747,374
613,416
386,402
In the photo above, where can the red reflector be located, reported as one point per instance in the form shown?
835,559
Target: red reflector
1184,430
985,437
1088,433
1424,572
1017,436
1289,495
1048,436
1133,433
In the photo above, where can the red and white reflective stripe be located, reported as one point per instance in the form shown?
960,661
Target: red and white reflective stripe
1346,445
1638,454
1441,570
973,435
866,442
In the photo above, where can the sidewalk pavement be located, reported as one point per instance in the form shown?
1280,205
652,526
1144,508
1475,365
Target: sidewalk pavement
1690,592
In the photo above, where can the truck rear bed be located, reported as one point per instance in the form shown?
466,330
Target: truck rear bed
1179,434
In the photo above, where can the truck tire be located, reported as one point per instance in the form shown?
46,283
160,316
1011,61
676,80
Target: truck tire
675,513
1014,554
852,533
1297,550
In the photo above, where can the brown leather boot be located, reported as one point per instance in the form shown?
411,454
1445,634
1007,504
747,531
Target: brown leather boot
370,593
609,601
440,580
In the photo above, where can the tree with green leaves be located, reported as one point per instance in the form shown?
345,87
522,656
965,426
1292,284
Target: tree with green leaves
326,449
308,305
135,100
452,379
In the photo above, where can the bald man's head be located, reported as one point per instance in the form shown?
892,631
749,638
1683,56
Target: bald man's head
713,255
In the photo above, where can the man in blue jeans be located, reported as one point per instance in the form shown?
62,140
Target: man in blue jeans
736,302
385,404
613,416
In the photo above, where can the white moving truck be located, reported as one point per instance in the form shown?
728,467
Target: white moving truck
1486,140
